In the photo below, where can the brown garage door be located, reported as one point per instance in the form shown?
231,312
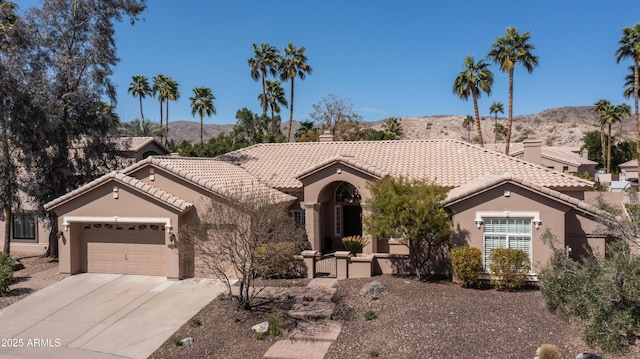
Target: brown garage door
124,249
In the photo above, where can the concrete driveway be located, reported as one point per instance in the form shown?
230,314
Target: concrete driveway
101,316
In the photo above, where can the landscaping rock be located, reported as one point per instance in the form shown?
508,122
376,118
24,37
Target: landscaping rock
261,328
186,341
586,355
373,289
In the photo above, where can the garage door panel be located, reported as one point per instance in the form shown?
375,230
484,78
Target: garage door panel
140,249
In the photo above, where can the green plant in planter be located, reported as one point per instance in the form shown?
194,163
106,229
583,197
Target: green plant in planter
354,244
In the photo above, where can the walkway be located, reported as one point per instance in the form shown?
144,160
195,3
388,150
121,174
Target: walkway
315,331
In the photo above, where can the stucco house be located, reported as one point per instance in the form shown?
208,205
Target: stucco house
129,221
629,170
29,234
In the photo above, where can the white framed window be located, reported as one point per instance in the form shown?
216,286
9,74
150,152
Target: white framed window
338,219
24,226
299,217
507,230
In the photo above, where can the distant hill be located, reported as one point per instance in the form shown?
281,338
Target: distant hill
563,126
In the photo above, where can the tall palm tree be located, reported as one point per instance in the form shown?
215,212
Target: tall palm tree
472,81
602,108
467,123
265,59
293,64
139,87
630,48
161,89
507,51
494,109
172,94
609,115
624,110
275,97
141,128
202,104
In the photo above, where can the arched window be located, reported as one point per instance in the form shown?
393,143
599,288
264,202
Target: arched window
347,193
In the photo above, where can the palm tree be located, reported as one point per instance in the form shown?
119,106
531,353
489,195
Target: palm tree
202,104
172,94
275,97
467,123
602,107
609,115
265,60
393,127
494,109
141,128
472,81
161,89
624,110
294,63
630,48
139,87
507,51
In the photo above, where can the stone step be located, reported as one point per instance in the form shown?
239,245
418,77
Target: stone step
313,294
288,349
323,330
312,310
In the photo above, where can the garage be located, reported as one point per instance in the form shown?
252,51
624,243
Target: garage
122,248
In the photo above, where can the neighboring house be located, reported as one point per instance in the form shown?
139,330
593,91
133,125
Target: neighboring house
629,170
561,159
129,221
29,234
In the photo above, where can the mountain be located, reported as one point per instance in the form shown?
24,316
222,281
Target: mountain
563,126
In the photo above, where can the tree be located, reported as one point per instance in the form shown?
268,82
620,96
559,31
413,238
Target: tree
471,82
172,94
293,64
332,109
496,107
630,48
139,87
624,110
601,108
609,115
411,211
393,128
467,123
265,59
161,89
75,54
620,153
307,132
600,292
14,47
233,238
499,129
507,51
275,97
202,104
141,128
252,128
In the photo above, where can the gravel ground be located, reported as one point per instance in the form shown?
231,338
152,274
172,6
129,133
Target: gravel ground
413,320
32,264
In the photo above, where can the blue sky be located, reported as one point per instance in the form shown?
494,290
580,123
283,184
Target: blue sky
388,58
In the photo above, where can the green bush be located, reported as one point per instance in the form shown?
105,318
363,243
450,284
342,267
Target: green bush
369,315
276,323
6,272
354,244
467,265
509,268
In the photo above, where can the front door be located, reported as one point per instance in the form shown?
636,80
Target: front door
352,221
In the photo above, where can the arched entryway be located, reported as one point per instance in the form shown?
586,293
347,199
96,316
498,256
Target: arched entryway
342,214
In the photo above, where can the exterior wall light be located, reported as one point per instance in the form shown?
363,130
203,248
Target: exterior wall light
152,175
339,171
115,192
478,223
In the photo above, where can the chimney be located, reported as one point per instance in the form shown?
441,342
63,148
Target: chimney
533,150
585,154
326,136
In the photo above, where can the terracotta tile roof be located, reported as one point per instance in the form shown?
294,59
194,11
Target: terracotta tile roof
451,163
134,144
632,163
488,181
134,183
355,163
223,178
561,154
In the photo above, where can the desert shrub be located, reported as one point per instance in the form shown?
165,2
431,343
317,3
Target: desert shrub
467,265
354,244
373,353
509,268
195,322
548,351
276,260
6,272
276,323
369,315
